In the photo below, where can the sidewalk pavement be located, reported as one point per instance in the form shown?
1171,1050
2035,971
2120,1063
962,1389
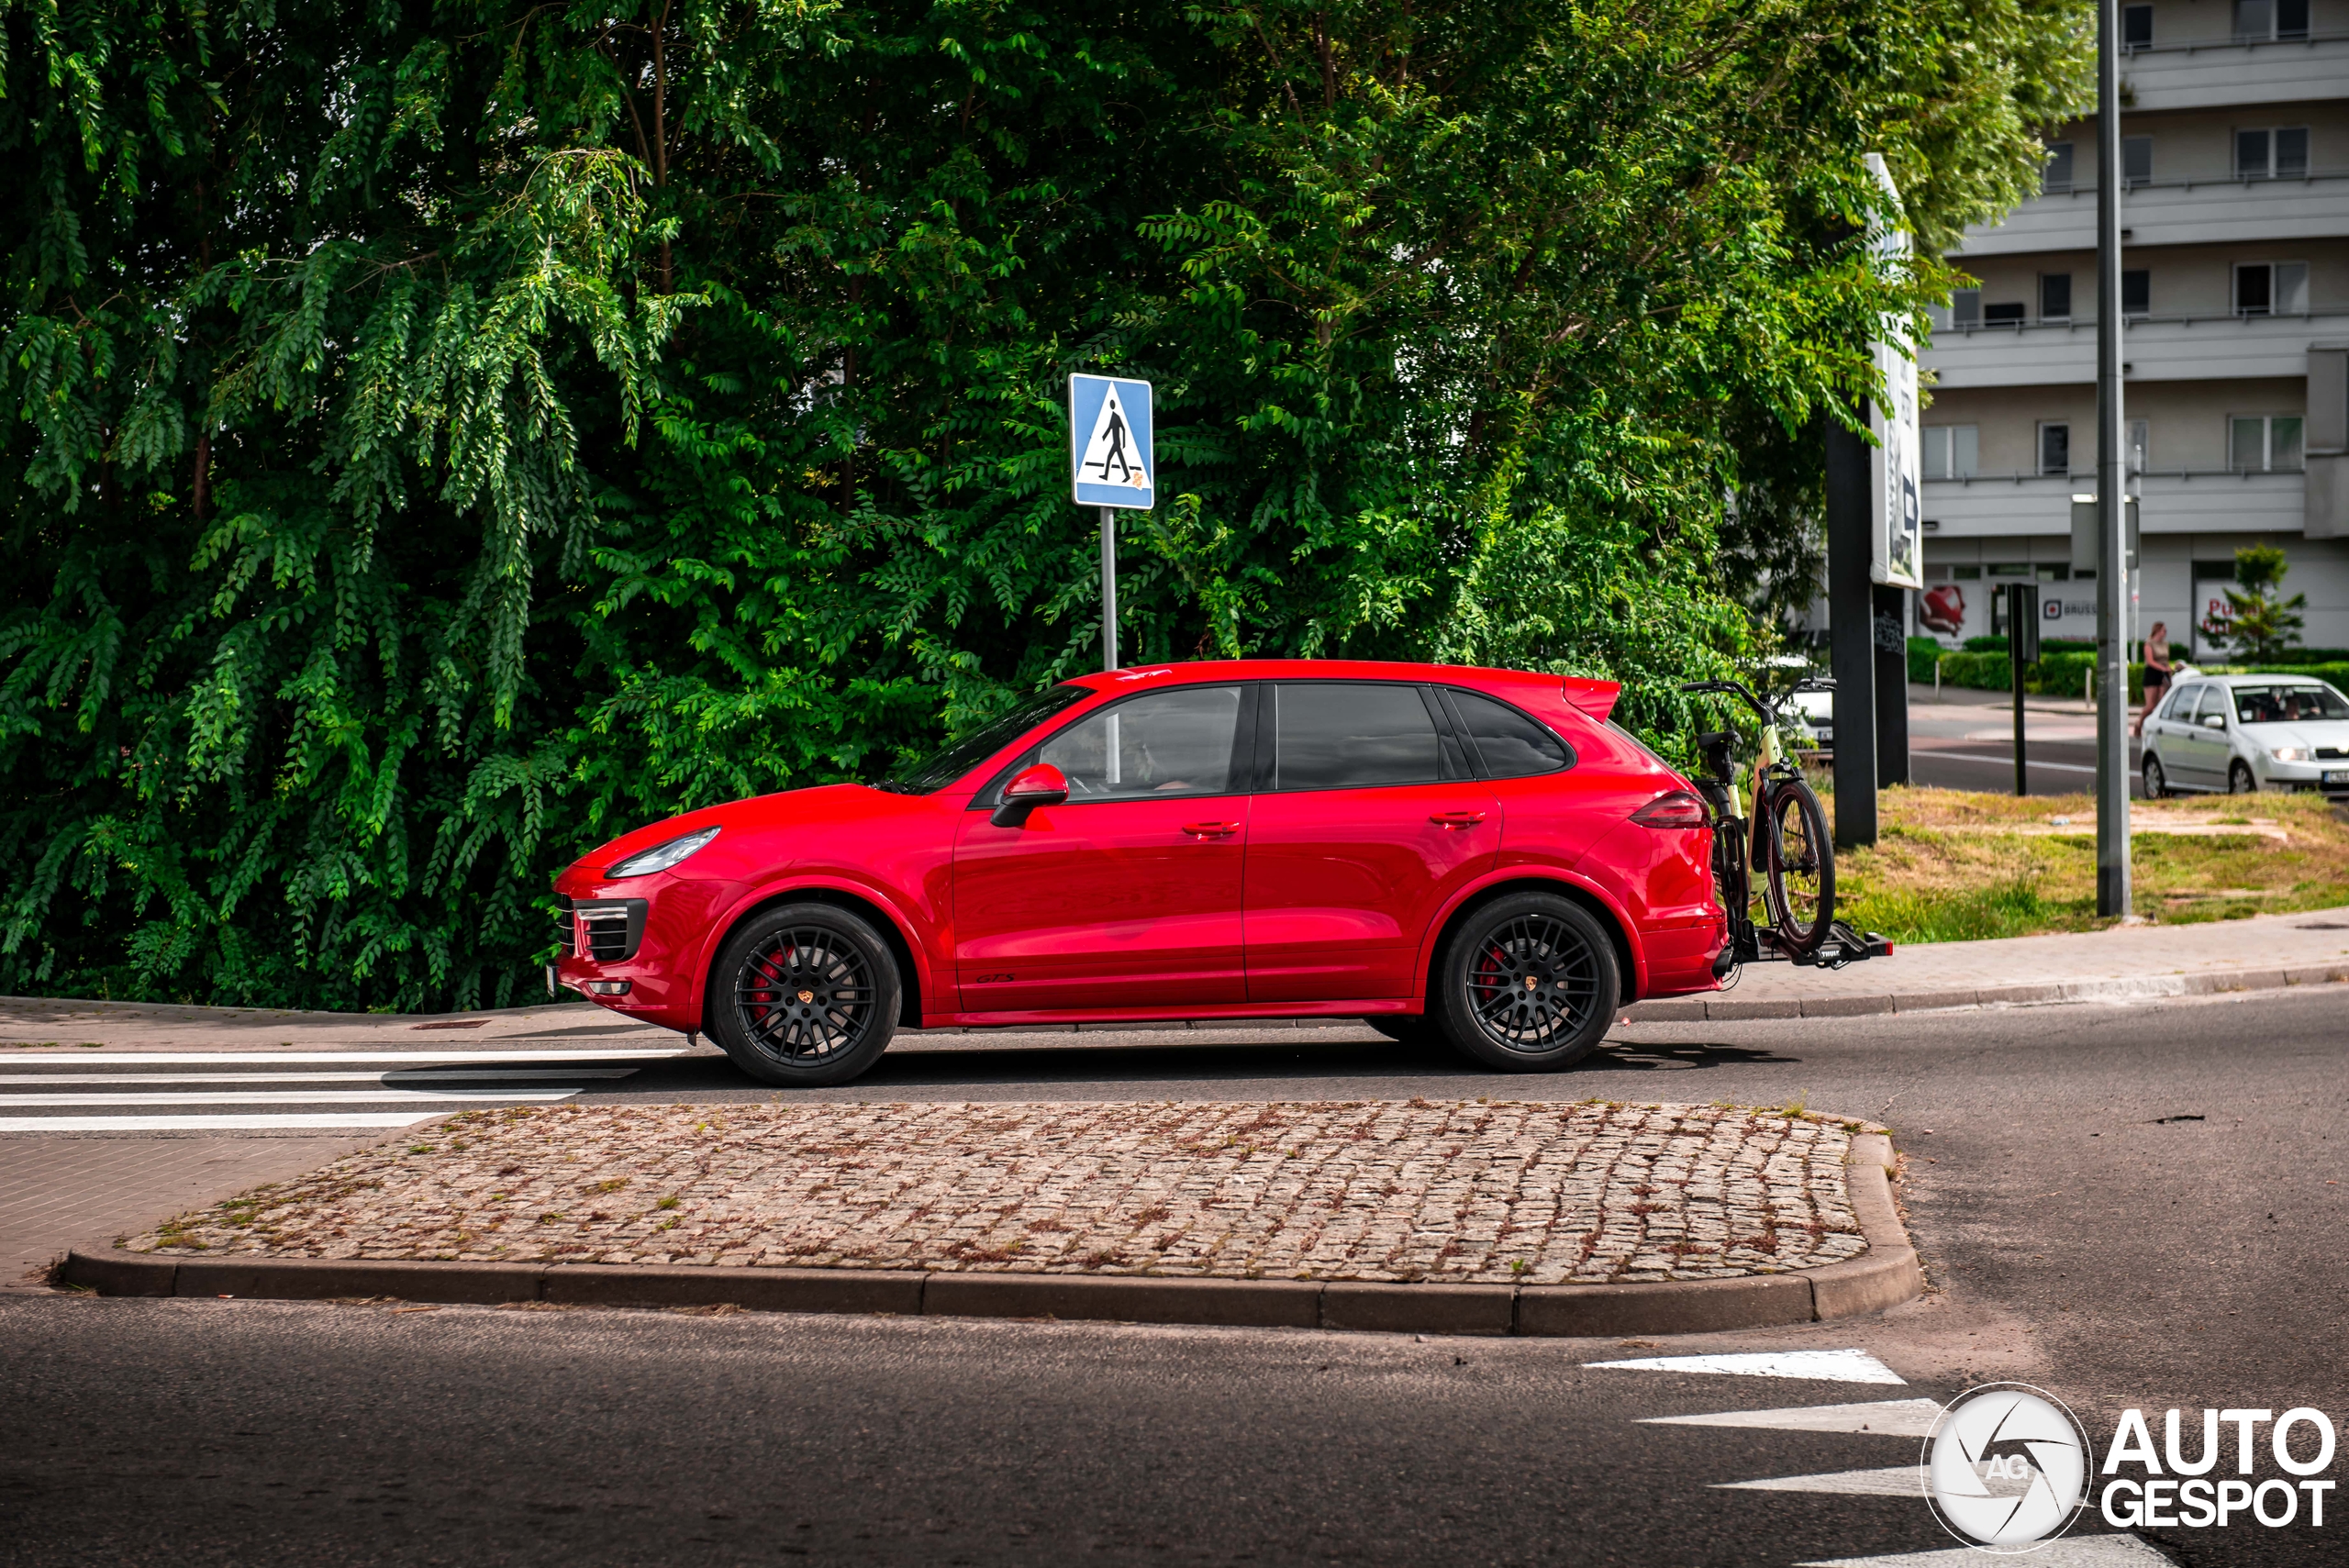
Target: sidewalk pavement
2265,952
2260,953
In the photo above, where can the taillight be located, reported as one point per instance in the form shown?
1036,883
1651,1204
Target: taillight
1677,809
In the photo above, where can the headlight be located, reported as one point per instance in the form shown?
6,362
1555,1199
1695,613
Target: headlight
2290,753
661,857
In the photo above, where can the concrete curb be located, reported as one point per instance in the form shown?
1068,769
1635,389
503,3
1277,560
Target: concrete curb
1885,1276
2206,982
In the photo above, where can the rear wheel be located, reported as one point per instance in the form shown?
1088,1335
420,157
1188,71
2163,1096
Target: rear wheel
1528,984
806,996
1800,858
2156,781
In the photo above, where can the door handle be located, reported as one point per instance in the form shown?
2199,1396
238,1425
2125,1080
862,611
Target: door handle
1210,829
1456,818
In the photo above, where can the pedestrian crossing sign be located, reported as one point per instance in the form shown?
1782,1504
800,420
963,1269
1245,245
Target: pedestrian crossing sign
1108,433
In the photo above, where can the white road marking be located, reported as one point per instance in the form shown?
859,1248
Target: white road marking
1977,757
2065,1551
292,1097
1900,1481
1892,1417
389,1075
303,1058
1823,1366
206,1123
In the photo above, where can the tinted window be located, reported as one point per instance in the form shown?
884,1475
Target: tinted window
1338,735
1512,745
1171,742
959,756
2288,705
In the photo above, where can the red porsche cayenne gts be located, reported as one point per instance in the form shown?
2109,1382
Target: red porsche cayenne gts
1474,855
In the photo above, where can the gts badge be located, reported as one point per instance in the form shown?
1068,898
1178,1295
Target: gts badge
995,980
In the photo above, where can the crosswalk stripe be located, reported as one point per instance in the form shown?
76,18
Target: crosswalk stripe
285,1097
387,1075
1899,1481
306,1058
1823,1366
2065,1551
209,1123
1890,1417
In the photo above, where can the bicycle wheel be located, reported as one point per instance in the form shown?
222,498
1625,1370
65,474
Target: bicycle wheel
1800,860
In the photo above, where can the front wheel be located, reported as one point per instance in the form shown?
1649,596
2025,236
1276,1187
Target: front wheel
2239,779
804,995
1800,857
1528,984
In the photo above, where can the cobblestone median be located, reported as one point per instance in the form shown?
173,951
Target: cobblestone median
1531,1193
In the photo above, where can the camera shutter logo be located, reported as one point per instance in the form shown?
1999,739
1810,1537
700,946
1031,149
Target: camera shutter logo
2007,1467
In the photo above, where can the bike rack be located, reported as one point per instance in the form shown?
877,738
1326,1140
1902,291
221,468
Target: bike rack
1842,948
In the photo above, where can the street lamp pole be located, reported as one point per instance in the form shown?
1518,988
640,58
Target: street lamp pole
2112,511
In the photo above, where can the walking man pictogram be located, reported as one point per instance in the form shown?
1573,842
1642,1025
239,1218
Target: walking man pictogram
1115,431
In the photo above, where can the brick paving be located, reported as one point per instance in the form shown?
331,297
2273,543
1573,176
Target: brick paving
1372,1190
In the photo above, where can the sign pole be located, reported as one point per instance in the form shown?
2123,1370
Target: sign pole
2112,618
1109,588
1113,466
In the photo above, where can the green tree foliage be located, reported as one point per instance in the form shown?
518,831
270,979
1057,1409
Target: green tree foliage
2260,624
445,433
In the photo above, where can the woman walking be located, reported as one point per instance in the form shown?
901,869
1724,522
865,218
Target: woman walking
2157,673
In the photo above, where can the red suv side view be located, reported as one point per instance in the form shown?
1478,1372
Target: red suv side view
1471,854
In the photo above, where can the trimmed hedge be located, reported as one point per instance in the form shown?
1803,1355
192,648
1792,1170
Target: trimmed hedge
2056,675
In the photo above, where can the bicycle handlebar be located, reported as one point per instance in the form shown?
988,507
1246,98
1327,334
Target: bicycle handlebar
1767,710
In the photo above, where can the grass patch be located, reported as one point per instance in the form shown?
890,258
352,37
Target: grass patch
1955,865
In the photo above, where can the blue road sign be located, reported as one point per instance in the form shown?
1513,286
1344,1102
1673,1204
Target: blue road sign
1109,450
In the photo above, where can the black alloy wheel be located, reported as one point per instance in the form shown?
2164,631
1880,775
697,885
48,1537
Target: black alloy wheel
806,996
2156,781
1529,984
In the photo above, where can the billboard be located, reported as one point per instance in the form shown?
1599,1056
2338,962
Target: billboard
1897,539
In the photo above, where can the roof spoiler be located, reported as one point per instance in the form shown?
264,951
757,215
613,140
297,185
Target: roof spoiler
1595,698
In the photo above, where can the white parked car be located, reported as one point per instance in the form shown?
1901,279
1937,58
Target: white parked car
2240,733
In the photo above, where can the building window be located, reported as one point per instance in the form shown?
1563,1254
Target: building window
2056,178
2272,288
2281,153
2003,315
2054,297
2137,159
2136,28
2137,292
1965,307
2054,449
1953,451
2263,443
1965,574
2140,442
2257,21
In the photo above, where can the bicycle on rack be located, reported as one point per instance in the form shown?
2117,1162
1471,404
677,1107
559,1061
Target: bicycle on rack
1787,842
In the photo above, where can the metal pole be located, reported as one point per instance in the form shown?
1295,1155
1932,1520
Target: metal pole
2016,610
1851,618
1108,587
2112,510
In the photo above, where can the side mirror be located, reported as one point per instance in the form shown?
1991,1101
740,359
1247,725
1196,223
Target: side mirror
2214,721
1043,784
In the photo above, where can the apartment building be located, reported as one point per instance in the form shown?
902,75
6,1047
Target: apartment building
2235,295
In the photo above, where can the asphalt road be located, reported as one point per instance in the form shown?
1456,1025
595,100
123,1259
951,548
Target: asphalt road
2078,1235
1965,739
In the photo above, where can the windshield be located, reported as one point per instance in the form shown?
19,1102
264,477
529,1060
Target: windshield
942,767
2288,705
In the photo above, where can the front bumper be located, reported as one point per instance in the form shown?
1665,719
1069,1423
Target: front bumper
634,947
